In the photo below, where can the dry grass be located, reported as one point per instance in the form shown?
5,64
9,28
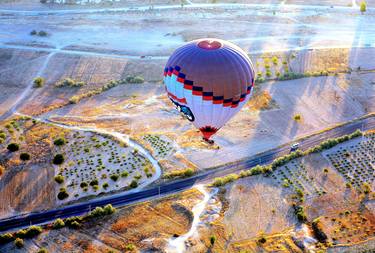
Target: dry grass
157,220
260,101
349,226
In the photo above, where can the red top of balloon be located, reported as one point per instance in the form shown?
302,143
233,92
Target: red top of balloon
209,44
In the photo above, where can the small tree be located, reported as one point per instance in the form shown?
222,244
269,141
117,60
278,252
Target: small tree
42,33
39,82
133,184
297,117
58,223
212,240
58,159
59,141
63,194
42,250
114,177
109,209
59,179
25,156
13,147
18,243
363,7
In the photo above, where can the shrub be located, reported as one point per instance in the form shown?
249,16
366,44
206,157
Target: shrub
366,188
63,194
70,83
42,250
224,180
83,184
275,60
130,247
42,33
58,159
297,117
114,177
105,185
109,209
300,213
180,173
3,135
13,147
74,100
75,224
124,174
262,239
58,223
212,239
133,184
94,182
33,231
59,142
363,7
59,179
39,82
5,238
25,156
75,219
134,79
18,243
33,32
97,212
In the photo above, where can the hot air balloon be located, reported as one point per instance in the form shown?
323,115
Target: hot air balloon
209,80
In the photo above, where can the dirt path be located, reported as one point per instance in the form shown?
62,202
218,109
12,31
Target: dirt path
177,245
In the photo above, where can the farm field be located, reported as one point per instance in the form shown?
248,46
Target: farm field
50,165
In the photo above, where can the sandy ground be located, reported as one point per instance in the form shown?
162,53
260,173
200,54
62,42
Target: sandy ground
345,97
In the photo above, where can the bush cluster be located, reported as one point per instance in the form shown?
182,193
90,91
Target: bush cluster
188,172
327,144
58,223
75,99
280,161
102,211
29,232
134,79
68,82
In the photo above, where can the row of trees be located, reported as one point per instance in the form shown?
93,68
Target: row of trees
72,222
280,161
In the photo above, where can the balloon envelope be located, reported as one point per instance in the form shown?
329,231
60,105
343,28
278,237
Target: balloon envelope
209,80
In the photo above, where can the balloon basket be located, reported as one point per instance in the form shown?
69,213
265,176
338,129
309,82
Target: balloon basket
208,141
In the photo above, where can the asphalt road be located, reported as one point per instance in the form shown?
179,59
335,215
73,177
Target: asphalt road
180,185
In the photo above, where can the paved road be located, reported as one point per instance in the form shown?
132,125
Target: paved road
180,185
